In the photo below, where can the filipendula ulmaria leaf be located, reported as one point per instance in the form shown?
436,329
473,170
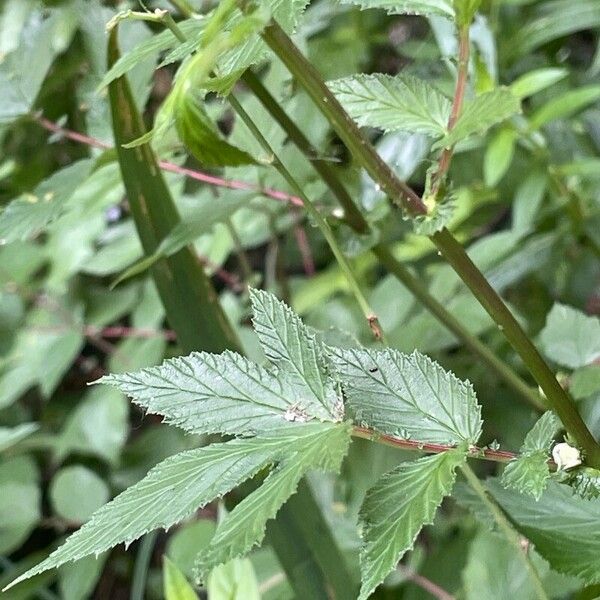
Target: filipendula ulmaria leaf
245,525
395,103
480,114
183,483
440,8
530,472
30,213
562,526
409,396
289,344
219,393
570,338
397,507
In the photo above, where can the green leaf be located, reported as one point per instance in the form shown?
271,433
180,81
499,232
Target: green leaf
409,396
585,481
201,137
288,344
480,114
535,81
465,11
562,526
183,483
555,19
245,525
76,492
175,585
494,571
397,507
498,156
440,8
235,580
565,105
394,103
570,338
161,42
30,213
585,382
9,436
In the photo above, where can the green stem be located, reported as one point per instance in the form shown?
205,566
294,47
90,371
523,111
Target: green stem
142,564
399,192
357,221
316,215
506,528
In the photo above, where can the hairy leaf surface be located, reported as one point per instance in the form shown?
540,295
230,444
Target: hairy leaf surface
395,103
409,396
396,509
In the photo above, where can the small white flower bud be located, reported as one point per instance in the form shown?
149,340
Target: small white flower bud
566,456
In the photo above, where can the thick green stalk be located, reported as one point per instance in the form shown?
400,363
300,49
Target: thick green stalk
194,312
358,222
506,528
363,151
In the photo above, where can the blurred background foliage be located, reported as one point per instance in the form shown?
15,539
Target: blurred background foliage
527,205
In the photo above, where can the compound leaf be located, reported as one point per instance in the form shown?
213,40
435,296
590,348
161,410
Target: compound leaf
409,396
396,509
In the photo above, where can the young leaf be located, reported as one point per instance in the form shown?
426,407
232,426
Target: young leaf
535,81
183,483
465,11
530,472
30,213
394,103
245,525
397,507
480,114
440,8
176,586
565,105
288,344
585,482
570,338
562,526
235,580
409,396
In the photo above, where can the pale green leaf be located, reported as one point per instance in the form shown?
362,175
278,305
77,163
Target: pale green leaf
175,585
30,213
244,526
289,344
465,11
530,472
555,19
570,338
441,8
565,105
585,381
409,396
395,103
480,114
498,156
397,507
235,580
562,526
182,484
535,81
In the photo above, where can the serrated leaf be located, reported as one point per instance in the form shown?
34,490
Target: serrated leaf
480,114
397,507
562,526
530,472
289,344
441,8
570,338
395,103
183,483
585,482
409,396
30,213
436,219
217,393
244,526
